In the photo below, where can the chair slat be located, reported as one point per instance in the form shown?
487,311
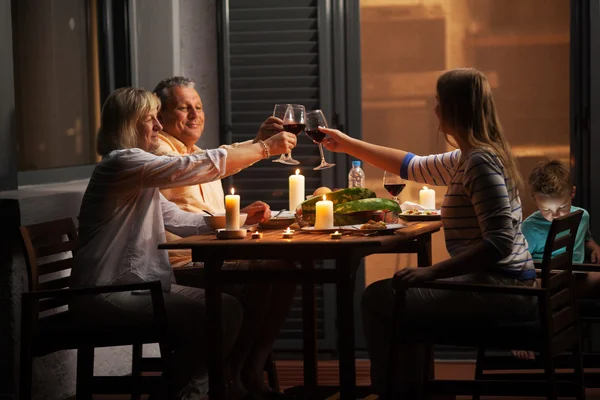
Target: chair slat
60,283
564,340
560,299
563,319
55,249
561,242
560,262
49,304
59,227
55,266
560,280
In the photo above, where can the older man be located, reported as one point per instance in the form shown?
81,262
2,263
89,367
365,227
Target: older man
265,306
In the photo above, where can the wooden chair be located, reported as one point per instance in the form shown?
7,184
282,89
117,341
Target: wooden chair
589,314
555,331
48,326
194,277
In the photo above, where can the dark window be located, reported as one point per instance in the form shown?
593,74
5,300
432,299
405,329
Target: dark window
68,56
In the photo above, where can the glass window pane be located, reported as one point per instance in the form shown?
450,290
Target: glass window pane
523,48
54,87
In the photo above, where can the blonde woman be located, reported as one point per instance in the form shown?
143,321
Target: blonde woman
481,215
123,218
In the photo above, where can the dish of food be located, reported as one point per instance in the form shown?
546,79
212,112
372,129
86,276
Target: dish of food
420,215
374,225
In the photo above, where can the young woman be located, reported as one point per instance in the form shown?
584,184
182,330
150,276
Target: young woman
481,214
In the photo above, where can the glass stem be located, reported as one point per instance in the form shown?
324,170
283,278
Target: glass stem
321,151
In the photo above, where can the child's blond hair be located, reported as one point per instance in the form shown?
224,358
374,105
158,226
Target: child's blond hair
550,178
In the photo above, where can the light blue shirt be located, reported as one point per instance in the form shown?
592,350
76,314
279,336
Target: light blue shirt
536,229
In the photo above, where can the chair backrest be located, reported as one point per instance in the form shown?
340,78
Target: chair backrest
559,313
49,258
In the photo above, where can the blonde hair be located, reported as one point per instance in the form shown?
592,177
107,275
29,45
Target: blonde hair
120,114
550,178
467,107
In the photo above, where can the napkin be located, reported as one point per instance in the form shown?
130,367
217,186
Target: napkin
409,205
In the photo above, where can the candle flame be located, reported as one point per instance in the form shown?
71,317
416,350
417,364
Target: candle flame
425,188
324,197
232,191
297,172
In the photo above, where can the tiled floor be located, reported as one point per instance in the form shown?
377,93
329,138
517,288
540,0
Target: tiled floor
290,374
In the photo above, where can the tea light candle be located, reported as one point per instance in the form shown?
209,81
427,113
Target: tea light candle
427,198
257,235
296,190
336,235
288,234
324,217
232,211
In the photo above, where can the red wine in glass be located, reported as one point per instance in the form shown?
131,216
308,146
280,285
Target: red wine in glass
296,129
316,135
394,189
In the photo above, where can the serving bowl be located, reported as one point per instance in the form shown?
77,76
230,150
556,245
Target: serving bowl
217,221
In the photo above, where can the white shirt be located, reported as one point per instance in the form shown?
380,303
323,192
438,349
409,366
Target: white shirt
123,216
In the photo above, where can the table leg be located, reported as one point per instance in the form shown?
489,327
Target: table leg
214,329
346,268
424,257
309,329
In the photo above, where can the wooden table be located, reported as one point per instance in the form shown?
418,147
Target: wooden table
304,248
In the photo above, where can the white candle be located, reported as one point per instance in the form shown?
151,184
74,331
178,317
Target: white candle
427,198
324,217
232,211
296,190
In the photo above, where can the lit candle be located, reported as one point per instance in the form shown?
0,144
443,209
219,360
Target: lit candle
232,211
336,235
257,235
427,198
324,217
296,190
288,233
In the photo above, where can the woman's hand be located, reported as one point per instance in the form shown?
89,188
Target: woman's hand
281,143
412,274
258,212
336,140
270,127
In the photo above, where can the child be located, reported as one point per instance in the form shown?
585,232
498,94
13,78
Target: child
553,191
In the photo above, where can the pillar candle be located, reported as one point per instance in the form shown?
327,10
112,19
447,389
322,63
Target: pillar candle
324,218
427,198
296,190
232,211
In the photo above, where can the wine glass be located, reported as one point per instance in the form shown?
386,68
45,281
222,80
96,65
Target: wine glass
314,120
393,184
294,121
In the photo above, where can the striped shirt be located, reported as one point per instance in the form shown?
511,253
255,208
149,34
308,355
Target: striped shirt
477,205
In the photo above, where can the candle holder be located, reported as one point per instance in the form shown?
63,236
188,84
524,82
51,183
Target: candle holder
257,235
336,235
231,233
288,234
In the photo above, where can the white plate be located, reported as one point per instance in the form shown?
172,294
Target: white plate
390,228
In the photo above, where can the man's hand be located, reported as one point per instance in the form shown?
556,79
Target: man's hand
258,212
411,274
270,127
281,143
